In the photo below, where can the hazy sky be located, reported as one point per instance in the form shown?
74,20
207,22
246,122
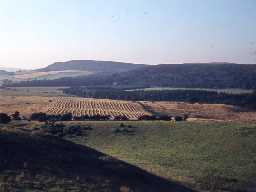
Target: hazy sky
36,33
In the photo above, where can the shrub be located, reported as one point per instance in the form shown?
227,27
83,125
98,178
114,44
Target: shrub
67,117
164,117
54,129
73,130
16,116
82,118
146,117
179,118
4,118
121,118
38,117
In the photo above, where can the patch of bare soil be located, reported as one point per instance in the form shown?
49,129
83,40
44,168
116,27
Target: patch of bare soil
215,112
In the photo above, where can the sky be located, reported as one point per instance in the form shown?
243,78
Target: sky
36,33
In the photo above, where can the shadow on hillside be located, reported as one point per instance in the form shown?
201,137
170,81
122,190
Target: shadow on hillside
46,155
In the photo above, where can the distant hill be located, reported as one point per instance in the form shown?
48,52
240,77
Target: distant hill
5,75
169,75
91,66
190,75
3,72
8,69
74,68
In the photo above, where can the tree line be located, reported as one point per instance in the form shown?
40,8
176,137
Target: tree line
192,96
50,119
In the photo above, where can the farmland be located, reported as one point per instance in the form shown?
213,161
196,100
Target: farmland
198,112
32,91
213,150
91,107
52,100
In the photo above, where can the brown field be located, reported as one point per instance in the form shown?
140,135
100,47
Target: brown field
52,100
32,91
79,107
27,105
217,112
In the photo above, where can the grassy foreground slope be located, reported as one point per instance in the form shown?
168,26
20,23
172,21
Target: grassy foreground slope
203,156
207,156
44,163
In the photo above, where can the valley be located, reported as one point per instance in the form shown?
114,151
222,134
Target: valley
99,137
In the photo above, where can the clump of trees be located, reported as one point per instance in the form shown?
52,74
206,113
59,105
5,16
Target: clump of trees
43,117
124,129
4,118
61,130
16,116
192,96
52,119
93,118
162,118
121,118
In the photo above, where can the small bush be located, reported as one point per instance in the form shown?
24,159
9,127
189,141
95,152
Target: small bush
53,129
38,117
179,118
16,116
67,117
121,118
146,118
73,130
163,117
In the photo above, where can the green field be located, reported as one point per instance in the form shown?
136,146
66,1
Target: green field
206,156
200,155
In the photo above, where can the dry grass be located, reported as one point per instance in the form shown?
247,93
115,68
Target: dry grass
32,91
52,100
24,104
197,111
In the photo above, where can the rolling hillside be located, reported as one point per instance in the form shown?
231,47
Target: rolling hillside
5,75
91,66
190,75
74,68
44,163
174,75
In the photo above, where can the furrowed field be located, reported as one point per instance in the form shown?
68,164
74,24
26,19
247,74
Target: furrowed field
53,101
81,107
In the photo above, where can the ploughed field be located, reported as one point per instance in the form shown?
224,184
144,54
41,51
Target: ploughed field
52,100
91,107
27,105
201,112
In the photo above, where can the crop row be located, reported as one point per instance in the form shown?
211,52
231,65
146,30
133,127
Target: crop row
92,107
